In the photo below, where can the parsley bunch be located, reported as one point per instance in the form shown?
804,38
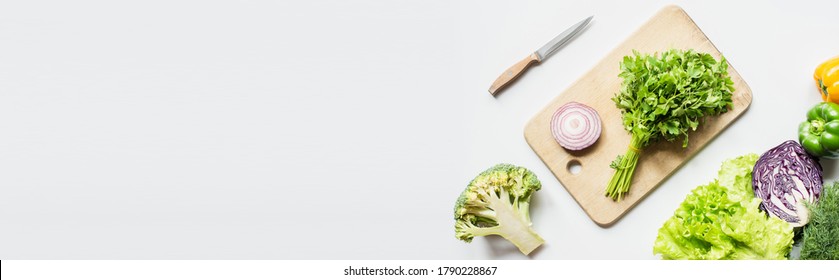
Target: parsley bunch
665,97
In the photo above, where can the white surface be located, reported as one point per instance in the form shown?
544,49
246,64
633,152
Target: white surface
333,129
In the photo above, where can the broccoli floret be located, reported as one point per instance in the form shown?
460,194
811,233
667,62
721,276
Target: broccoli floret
497,202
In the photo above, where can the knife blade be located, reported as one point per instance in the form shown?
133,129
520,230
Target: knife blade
538,56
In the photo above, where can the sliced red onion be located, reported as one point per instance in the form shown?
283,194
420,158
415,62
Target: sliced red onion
575,126
784,178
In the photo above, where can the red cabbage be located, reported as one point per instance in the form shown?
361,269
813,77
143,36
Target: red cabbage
784,178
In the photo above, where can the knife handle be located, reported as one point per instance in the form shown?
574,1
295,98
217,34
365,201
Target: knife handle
512,73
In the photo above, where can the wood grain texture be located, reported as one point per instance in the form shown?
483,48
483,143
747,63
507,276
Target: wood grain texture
512,73
670,28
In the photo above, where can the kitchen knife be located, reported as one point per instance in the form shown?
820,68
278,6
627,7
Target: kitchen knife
541,54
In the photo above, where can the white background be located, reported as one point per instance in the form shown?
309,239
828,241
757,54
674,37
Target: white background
334,129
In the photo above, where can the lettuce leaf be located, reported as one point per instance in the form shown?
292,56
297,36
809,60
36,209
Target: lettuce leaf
721,220
736,175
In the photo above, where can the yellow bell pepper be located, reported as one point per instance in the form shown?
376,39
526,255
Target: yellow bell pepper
827,79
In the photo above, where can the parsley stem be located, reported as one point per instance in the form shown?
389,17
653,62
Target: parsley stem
622,179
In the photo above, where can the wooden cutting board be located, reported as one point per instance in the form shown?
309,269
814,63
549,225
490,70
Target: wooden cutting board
669,28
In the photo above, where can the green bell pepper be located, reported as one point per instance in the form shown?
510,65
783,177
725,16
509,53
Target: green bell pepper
820,133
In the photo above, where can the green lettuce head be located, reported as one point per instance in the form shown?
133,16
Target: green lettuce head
721,220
